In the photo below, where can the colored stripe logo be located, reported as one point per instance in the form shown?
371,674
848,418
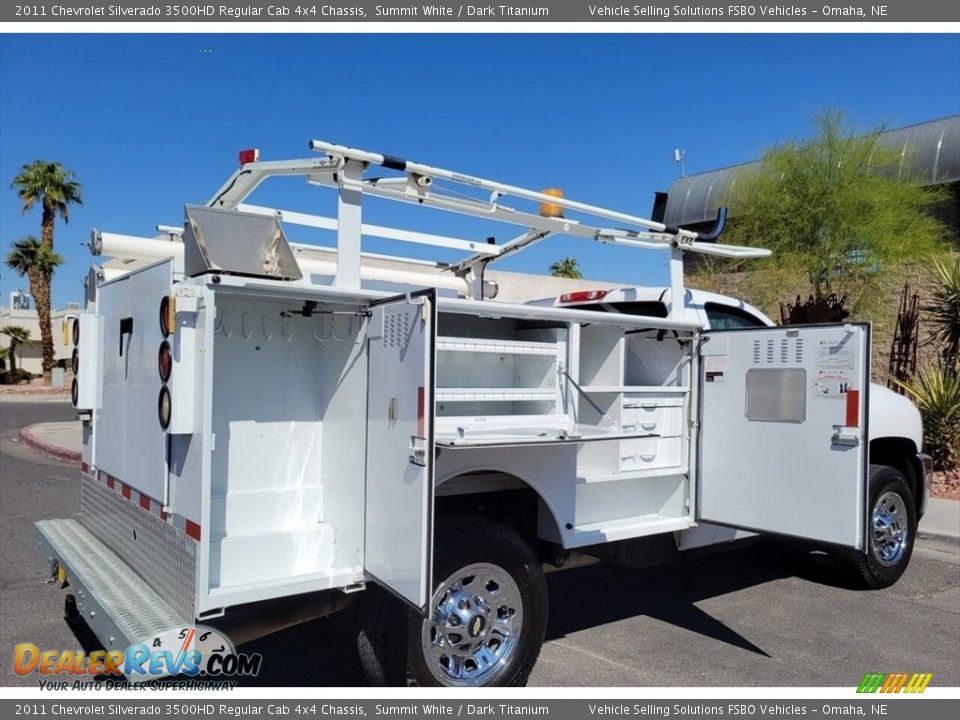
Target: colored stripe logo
894,682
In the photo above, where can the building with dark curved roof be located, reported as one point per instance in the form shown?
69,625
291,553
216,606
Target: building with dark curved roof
928,153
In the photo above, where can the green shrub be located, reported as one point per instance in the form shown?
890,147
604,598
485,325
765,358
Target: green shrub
936,393
15,377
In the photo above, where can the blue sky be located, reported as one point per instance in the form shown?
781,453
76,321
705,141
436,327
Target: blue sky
150,122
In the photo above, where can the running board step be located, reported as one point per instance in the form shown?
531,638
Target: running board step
112,599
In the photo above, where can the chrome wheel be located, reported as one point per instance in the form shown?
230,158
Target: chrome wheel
890,530
474,625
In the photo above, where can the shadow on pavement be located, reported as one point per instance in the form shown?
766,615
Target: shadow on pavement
605,593
323,652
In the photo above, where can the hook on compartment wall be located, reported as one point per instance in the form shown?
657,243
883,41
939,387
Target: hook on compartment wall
220,324
284,327
333,329
321,338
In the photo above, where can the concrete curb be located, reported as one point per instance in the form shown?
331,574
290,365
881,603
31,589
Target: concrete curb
950,542
940,525
49,449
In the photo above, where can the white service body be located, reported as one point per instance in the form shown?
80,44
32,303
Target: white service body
304,452
311,429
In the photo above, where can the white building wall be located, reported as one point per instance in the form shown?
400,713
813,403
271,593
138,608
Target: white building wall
29,356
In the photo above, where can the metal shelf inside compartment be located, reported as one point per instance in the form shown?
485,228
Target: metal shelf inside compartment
494,394
482,345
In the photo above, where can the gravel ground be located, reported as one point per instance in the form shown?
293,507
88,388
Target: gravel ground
946,484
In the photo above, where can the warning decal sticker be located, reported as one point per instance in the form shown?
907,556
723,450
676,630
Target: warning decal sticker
834,370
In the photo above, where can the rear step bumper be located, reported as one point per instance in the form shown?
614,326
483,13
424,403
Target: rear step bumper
120,608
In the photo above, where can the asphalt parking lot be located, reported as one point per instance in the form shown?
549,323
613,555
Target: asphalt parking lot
762,615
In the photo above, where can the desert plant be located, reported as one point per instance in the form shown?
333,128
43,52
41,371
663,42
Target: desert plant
837,216
944,311
936,393
567,267
18,336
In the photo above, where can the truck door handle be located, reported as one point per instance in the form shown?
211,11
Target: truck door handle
845,436
126,328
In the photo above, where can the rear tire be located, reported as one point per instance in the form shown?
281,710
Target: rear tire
891,532
487,616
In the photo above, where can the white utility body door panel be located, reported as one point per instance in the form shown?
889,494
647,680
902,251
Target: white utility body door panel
113,303
130,444
783,433
145,465
400,445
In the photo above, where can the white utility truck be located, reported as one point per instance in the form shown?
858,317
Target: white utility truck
266,434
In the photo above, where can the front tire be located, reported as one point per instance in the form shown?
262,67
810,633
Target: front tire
890,536
486,621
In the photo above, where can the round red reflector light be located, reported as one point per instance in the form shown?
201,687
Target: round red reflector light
165,361
165,315
75,361
163,408
75,331
75,392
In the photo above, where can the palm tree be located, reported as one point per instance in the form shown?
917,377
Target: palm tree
37,261
53,186
18,336
567,267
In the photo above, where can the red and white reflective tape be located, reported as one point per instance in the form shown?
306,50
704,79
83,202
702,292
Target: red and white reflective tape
143,501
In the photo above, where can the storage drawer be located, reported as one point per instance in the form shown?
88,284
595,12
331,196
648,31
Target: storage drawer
663,421
649,453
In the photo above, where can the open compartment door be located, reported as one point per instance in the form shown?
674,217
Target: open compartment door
783,432
398,519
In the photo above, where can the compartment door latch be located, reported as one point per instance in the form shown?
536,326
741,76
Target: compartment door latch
845,436
418,450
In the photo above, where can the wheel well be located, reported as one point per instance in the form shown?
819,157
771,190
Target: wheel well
505,499
900,453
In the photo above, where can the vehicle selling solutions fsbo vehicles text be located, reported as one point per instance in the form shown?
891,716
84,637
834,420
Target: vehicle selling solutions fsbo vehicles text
733,11
668,11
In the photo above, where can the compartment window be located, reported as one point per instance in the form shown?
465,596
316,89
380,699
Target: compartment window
777,395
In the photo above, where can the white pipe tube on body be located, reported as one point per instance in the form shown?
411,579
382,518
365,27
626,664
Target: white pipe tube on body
134,248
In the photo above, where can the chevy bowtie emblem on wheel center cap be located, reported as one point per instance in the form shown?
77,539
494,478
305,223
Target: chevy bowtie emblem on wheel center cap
476,626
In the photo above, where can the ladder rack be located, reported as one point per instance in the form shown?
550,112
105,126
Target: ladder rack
344,169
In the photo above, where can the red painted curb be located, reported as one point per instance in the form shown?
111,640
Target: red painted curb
53,451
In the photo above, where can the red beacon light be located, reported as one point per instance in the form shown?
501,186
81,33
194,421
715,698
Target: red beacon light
249,156
583,296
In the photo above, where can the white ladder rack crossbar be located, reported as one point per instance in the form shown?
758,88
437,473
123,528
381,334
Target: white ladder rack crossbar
343,170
